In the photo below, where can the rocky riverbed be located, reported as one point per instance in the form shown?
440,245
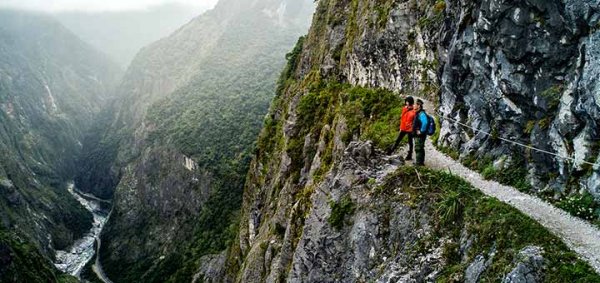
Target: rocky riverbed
73,260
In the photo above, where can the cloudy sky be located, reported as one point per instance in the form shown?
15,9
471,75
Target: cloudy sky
96,5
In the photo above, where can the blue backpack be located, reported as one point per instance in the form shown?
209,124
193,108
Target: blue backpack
430,125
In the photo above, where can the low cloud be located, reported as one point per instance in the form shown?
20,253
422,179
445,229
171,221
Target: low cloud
97,5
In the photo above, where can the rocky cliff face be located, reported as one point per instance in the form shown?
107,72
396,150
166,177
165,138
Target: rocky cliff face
320,206
525,72
522,71
192,107
373,219
51,85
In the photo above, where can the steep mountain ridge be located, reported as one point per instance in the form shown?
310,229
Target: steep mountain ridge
321,202
155,72
313,205
519,71
179,144
51,85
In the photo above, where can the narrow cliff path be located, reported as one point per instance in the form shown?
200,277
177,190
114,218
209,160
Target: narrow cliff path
578,235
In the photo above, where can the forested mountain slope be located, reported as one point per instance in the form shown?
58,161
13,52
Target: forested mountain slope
176,153
51,86
196,197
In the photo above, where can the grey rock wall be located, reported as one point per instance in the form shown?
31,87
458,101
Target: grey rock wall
495,65
524,71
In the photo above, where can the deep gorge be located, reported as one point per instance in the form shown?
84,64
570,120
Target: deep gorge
242,148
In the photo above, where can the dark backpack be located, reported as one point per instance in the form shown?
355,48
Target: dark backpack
430,125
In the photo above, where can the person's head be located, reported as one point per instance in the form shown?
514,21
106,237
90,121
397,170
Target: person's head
419,105
409,101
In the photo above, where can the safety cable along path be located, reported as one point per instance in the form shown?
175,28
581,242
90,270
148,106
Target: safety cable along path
580,236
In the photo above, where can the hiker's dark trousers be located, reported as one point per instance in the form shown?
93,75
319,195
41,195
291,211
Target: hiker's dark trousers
420,149
410,142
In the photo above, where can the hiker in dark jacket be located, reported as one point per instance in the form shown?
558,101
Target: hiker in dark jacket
419,132
406,127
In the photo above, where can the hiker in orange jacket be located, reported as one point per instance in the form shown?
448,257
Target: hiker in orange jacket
406,126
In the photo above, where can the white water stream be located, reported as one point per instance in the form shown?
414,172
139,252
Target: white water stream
73,260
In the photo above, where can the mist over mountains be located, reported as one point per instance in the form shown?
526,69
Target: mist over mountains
121,34
212,79
191,107
251,142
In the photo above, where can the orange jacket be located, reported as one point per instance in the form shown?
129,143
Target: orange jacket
406,119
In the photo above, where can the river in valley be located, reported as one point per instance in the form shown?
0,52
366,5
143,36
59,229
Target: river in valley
73,260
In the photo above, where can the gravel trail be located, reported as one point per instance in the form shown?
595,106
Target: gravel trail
578,235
